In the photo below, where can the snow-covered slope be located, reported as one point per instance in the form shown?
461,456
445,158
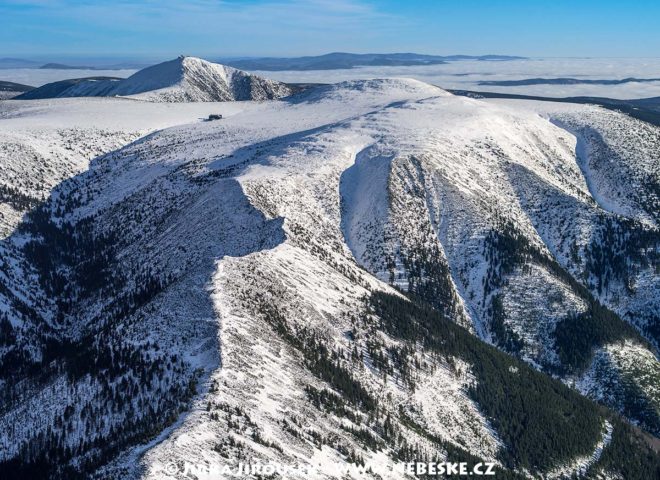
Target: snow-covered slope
46,141
227,291
184,79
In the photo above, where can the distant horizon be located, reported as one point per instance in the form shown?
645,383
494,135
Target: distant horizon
106,60
109,59
617,78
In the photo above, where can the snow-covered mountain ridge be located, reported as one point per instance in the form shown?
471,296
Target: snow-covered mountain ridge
184,79
227,288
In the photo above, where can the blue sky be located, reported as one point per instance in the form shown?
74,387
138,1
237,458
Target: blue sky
214,28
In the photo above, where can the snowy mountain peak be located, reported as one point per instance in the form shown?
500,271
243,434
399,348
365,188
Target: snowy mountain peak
184,79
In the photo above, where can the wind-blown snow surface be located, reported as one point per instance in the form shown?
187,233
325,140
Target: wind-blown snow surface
199,254
184,79
43,142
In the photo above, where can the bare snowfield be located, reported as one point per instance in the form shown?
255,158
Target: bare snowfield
109,113
57,138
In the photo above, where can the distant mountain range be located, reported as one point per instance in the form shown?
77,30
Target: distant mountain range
59,89
564,81
340,60
18,63
11,63
330,61
10,89
646,109
14,87
61,66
